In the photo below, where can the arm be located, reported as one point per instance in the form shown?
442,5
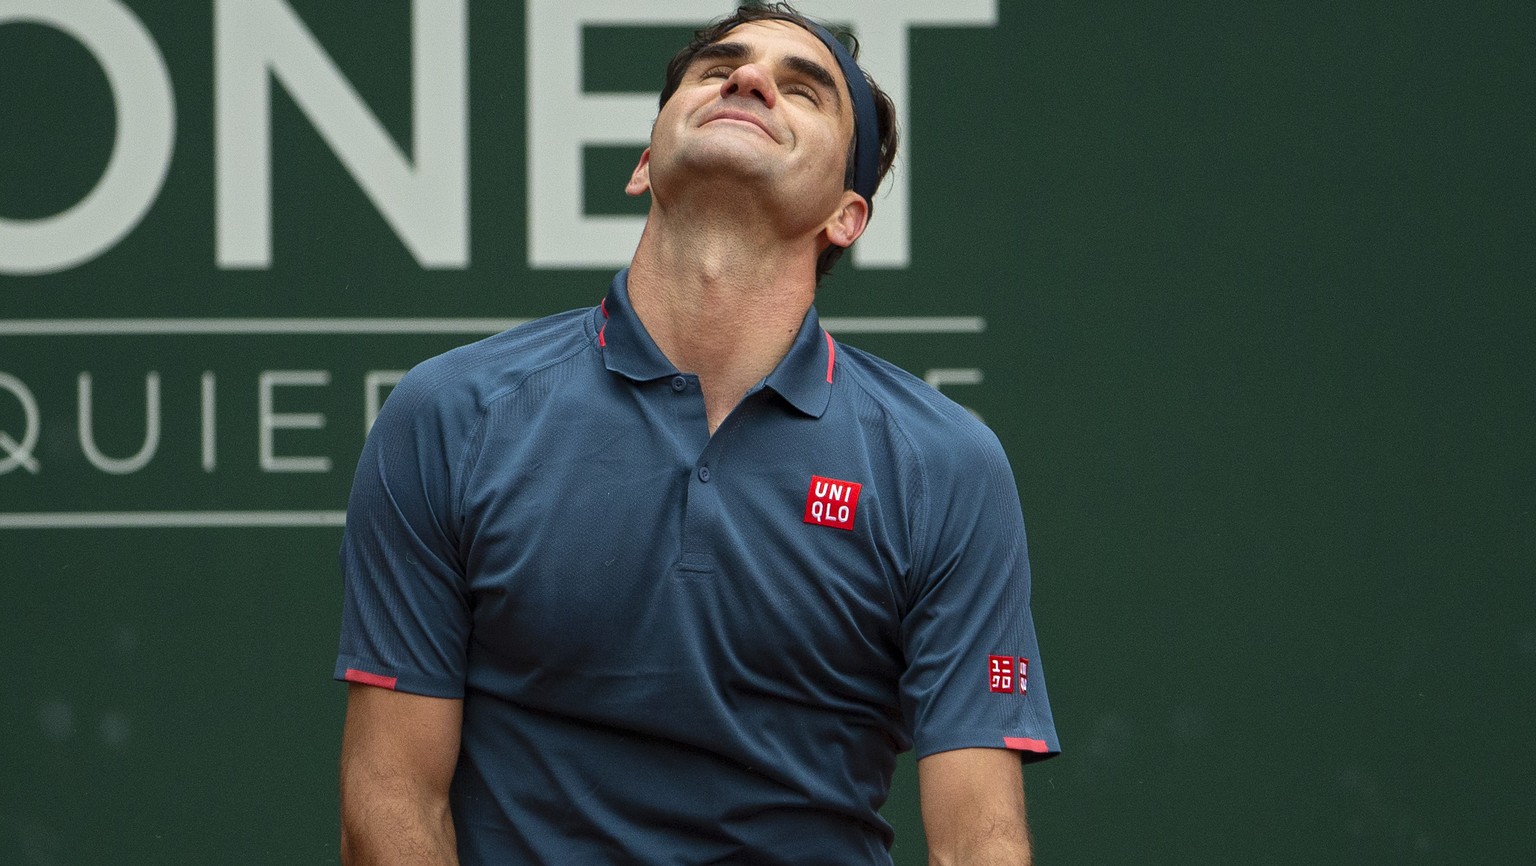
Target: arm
973,808
398,753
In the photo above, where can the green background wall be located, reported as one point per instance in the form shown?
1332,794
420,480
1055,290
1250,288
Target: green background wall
1256,282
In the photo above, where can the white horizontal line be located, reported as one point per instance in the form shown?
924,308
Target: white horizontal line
96,327
905,324
169,519
130,327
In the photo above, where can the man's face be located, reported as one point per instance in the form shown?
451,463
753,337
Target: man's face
765,108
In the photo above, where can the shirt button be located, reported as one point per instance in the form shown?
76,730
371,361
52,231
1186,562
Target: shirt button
704,474
679,384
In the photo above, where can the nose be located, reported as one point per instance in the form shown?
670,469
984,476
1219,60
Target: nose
750,80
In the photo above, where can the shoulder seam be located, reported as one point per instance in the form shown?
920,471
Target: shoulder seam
920,531
464,464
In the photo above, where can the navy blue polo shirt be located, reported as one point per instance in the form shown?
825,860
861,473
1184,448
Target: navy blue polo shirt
674,647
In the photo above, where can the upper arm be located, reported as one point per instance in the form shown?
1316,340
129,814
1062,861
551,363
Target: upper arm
398,754
973,807
974,676
406,614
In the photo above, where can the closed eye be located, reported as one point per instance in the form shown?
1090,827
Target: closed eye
816,76
719,58
805,91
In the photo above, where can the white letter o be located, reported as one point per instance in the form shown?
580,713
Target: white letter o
141,150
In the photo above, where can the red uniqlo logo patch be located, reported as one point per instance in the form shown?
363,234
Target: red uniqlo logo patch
1001,668
1023,676
831,502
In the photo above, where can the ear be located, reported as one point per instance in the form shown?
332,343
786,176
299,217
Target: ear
640,178
849,221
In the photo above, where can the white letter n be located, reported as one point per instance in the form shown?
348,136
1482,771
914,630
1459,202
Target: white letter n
426,204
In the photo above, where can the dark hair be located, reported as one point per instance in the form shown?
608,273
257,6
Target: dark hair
885,109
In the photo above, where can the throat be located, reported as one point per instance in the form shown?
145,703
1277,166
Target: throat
720,304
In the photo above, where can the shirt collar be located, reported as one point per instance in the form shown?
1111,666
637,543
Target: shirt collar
803,378
627,348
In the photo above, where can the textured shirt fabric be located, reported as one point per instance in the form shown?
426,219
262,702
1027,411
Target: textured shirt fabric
676,647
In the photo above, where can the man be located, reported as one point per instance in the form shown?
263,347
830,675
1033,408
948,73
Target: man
675,578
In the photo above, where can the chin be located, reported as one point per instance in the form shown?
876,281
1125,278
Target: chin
746,167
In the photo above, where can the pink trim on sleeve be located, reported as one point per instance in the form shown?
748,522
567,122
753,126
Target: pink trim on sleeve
1025,744
356,676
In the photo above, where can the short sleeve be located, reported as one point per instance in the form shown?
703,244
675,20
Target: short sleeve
974,676
405,608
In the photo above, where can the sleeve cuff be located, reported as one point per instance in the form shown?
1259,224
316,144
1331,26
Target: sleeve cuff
353,670
1030,749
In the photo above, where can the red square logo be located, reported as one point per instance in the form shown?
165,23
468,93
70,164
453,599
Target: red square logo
831,502
1023,676
1001,670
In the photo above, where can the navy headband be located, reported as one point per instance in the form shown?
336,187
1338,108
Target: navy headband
866,124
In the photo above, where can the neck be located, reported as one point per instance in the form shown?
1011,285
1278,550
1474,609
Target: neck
721,302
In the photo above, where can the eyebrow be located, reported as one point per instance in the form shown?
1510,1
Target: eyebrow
801,65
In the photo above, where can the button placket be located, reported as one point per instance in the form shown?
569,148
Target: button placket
703,517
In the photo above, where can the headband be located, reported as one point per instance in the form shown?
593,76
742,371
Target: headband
866,124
